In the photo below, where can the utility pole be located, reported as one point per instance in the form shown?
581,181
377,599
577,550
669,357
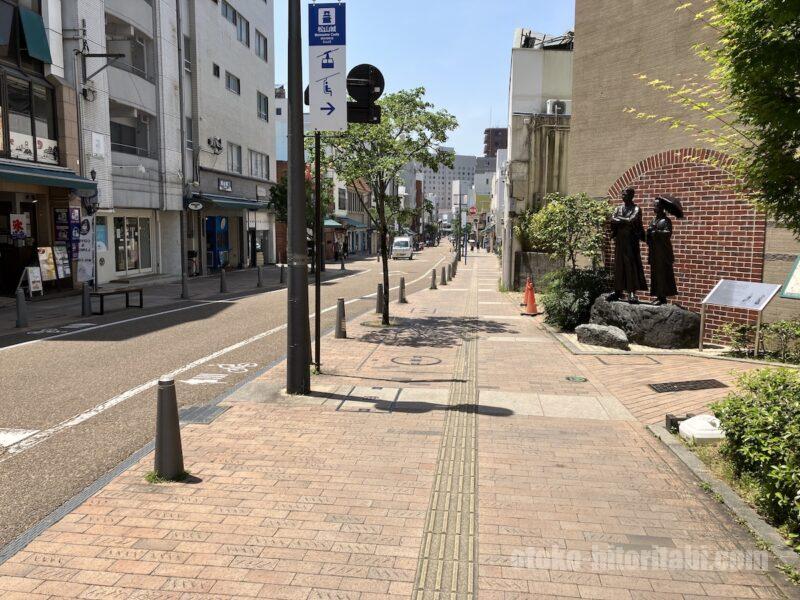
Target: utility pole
298,375
320,246
182,116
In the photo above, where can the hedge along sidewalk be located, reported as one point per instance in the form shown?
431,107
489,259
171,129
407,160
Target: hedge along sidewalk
775,542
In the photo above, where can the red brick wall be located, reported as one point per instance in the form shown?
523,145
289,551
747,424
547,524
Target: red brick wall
280,242
722,236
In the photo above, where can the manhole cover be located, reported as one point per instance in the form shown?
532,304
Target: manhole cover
577,379
687,386
416,361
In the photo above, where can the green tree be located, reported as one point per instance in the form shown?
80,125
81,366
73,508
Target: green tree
279,196
569,227
411,130
749,102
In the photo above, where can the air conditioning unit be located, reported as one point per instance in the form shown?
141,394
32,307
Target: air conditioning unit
559,107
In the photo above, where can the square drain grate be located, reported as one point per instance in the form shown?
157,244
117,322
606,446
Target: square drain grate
687,386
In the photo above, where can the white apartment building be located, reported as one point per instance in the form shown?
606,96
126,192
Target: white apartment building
438,185
539,107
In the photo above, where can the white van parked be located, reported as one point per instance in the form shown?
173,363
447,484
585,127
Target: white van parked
402,248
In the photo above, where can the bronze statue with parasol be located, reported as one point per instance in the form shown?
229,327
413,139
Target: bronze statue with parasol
659,242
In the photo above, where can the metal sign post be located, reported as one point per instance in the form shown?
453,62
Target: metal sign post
327,66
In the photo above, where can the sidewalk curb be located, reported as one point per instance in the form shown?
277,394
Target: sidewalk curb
749,518
200,414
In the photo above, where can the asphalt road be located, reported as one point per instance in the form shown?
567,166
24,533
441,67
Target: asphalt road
85,400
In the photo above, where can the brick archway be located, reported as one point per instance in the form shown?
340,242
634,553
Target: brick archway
723,235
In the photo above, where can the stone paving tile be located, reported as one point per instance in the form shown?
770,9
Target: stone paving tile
331,496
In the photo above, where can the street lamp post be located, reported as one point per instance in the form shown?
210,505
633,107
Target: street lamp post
298,375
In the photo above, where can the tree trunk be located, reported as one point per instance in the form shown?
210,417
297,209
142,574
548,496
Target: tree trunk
385,258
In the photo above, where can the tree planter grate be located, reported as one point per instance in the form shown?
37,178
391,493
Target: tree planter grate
687,386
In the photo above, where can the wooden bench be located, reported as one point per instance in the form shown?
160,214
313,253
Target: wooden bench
122,291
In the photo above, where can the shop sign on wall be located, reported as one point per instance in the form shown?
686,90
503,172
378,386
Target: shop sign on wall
20,226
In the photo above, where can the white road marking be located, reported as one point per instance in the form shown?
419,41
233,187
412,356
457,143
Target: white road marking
205,379
238,368
9,437
40,436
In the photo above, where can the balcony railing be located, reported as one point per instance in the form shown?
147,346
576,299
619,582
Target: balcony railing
134,150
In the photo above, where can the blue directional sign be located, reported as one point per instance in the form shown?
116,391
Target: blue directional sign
328,66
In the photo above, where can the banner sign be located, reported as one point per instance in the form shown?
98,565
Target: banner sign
20,226
47,263
34,280
327,60
86,251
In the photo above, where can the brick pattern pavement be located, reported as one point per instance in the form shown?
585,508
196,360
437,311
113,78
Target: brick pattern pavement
340,494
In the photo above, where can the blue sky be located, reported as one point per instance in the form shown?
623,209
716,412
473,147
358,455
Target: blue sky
459,50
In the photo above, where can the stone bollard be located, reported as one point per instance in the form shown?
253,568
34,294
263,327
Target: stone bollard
341,258
223,282
260,281
169,452
449,273
379,300
282,274
22,309
341,320
444,276
433,279
403,299
185,295
86,301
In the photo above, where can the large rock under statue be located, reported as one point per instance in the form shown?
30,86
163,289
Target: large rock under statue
602,335
667,326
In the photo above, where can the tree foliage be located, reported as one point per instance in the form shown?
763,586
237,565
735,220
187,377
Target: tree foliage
749,101
279,197
411,130
567,227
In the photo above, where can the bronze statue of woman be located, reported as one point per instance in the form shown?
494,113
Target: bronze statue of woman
628,232
661,256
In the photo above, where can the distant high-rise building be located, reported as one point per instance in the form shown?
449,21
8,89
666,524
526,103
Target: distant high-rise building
494,139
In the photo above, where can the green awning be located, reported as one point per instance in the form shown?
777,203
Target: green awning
48,177
35,36
231,202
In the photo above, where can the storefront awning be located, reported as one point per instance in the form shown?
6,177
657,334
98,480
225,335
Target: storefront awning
332,223
35,36
231,202
48,177
351,223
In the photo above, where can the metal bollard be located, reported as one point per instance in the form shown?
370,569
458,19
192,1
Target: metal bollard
341,320
86,301
22,309
260,282
341,258
379,300
169,452
444,276
433,279
185,295
403,299
449,273
282,274
223,282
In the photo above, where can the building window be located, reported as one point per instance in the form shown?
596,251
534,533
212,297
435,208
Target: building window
216,70
262,48
259,165
187,54
232,83
263,107
189,134
234,158
342,199
20,125
45,123
241,24
279,111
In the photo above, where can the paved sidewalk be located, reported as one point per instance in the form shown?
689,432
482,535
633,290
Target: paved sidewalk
448,457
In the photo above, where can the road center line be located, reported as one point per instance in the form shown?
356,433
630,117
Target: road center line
43,435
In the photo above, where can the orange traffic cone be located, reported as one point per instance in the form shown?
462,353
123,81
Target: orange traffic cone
531,309
528,285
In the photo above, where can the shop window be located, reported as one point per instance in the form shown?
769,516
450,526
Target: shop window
145,257
45,120
19,119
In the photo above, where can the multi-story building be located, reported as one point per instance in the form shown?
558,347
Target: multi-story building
540,105
494,139
230,95
43,196
438,184
358,230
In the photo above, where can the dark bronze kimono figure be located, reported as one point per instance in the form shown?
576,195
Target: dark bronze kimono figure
661,256
628,232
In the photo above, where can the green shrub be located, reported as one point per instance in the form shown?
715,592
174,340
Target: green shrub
782,339
569,295
740,336
527,231
762,427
